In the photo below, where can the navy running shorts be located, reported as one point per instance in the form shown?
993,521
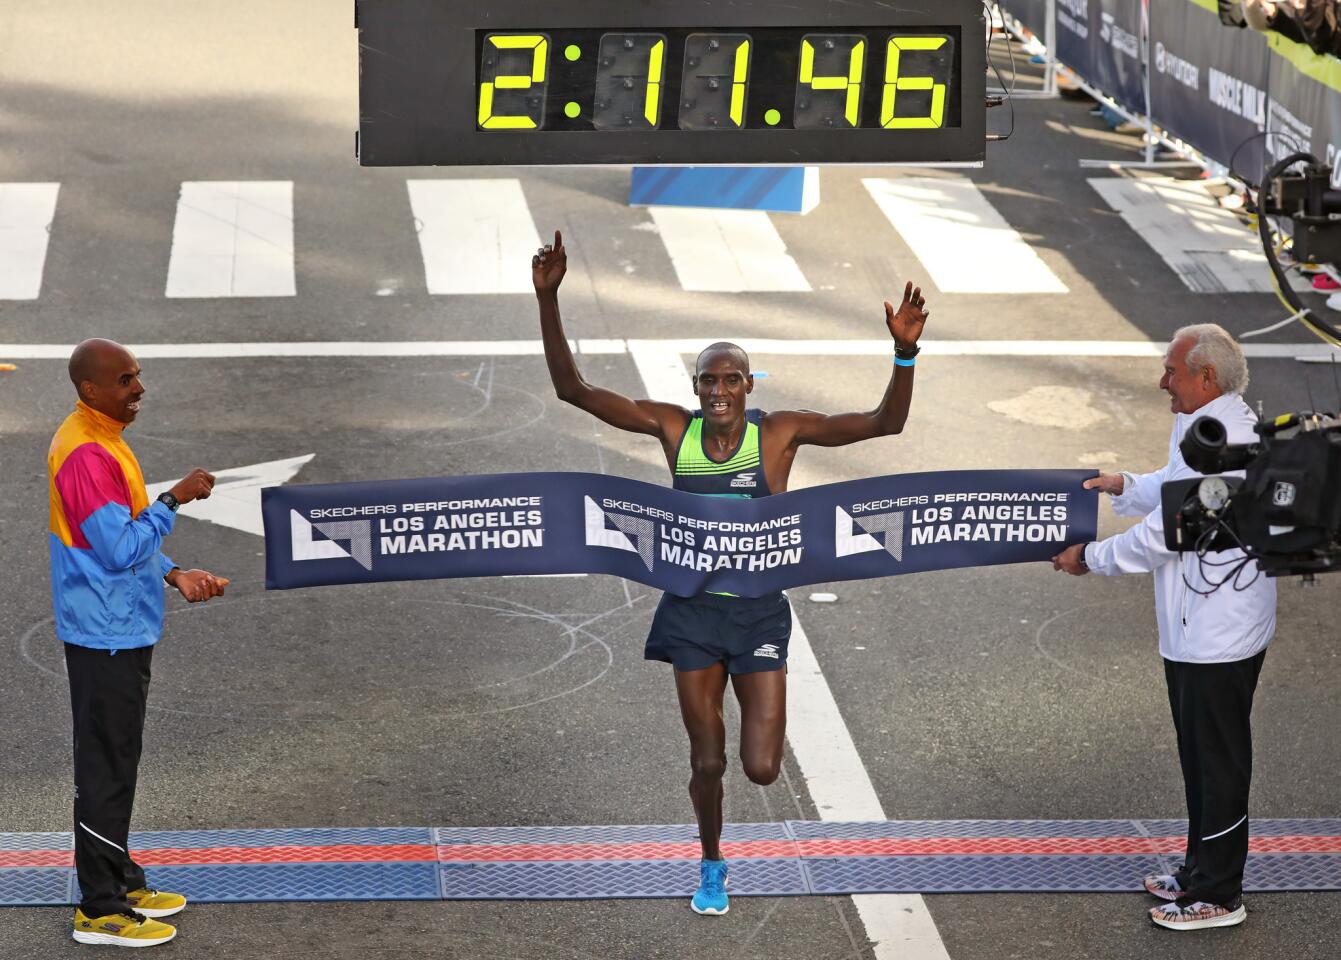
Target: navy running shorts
748,634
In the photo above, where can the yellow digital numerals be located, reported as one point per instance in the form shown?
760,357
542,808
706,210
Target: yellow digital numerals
815,91
715,82
630,70
522,94
894,82
656,58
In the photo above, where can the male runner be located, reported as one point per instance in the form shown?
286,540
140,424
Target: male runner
724,449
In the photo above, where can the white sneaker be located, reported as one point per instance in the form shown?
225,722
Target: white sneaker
1163,885
1197,916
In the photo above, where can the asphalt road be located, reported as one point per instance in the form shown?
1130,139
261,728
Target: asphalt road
990,693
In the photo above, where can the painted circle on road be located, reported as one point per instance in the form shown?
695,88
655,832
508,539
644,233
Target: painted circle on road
451,654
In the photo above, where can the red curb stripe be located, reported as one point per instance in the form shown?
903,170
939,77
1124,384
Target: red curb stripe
334,853
652,850
36,858
987,846
748,849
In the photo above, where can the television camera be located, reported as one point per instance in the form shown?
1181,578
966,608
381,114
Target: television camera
1285,512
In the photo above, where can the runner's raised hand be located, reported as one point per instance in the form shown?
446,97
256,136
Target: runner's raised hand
905,325
549,265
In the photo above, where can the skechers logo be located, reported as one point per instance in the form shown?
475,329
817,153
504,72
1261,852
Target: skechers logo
769,650
744,480
635,534
357,532
874,531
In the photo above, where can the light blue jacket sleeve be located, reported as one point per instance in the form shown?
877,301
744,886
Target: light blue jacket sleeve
121,542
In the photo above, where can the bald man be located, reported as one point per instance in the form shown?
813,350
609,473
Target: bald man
107,584
726,449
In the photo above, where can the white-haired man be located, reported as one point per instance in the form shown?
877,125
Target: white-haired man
1212,636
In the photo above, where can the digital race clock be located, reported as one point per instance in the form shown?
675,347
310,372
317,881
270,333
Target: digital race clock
670,81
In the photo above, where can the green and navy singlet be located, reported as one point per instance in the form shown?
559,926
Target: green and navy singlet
740,475
747,634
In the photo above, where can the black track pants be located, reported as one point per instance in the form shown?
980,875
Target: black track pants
1212,704
107,695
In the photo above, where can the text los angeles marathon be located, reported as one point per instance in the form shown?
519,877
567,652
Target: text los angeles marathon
978,517
709,545
493,523
517,522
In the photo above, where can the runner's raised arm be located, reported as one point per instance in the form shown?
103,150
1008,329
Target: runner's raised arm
665,421
792,428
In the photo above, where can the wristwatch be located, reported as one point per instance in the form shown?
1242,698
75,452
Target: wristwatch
1081,559
169,501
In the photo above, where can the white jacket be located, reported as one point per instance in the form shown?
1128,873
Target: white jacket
1228,624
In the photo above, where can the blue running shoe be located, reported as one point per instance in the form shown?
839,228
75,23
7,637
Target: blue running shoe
710,898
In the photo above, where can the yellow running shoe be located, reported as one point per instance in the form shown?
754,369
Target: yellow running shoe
156,903
122,930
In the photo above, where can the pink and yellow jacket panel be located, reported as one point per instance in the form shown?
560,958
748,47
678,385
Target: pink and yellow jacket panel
107,567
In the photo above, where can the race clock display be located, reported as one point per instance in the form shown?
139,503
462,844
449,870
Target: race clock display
690,81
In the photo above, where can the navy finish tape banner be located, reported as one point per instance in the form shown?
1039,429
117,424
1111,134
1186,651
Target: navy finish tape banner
536,523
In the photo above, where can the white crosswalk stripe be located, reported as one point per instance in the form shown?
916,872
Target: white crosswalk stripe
476,236
233,239
961,239
26,212
1207,246
726,251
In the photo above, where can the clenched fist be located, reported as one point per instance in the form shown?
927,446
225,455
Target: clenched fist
196,485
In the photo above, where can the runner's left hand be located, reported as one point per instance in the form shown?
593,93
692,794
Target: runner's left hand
905,325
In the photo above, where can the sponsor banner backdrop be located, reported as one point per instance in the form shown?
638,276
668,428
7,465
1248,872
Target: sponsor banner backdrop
1304,106
1208,82
1101,41
1032,13
537,523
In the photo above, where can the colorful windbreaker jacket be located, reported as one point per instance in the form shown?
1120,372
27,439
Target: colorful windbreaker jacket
106,566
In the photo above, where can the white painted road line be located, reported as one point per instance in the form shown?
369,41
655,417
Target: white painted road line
328,348
664,375
1209,248
965,244
726,251
236,498
233,239
476,236
26,212
650,349
899,925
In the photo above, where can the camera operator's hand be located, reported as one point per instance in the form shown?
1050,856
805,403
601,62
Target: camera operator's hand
1072,561
1109,483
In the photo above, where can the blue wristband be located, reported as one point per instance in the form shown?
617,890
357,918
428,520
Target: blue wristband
900,362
